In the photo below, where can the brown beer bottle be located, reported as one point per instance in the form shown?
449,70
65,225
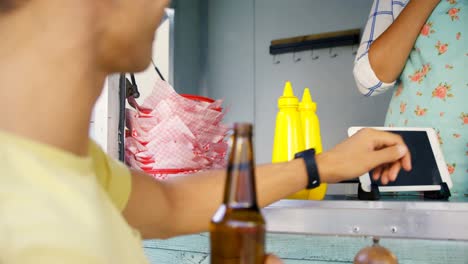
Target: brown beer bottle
237,231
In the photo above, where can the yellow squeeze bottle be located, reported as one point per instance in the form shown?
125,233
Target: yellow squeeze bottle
288,133
311,130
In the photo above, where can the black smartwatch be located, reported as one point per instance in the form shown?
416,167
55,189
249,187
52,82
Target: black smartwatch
313,177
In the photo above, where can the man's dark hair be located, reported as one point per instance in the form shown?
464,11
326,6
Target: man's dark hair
8,5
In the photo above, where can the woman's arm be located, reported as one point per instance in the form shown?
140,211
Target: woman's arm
389,52
388,38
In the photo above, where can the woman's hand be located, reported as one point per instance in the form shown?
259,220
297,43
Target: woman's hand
366,150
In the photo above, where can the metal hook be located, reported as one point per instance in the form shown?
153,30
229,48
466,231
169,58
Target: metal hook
132,87
334,55
354,51
316,57
276,60
295,58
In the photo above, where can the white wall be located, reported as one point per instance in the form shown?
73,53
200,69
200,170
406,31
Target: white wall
105,117
241,69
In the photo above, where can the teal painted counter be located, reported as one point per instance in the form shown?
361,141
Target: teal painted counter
307,249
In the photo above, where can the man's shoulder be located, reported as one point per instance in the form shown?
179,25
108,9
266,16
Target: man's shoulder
113,176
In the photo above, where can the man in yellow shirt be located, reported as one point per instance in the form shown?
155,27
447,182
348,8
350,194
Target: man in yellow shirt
62,200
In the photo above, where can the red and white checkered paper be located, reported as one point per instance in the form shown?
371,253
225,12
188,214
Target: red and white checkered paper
170,134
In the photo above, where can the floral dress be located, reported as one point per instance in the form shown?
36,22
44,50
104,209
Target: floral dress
432,90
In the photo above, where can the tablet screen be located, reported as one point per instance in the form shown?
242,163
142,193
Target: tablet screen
425,170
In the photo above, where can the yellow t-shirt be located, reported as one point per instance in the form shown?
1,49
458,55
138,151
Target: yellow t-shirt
56,207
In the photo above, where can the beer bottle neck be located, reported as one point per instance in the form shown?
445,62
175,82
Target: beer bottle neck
240,186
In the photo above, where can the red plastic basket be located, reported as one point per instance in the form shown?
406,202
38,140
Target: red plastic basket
200,98
163,174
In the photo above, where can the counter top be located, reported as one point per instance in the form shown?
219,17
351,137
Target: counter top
393,217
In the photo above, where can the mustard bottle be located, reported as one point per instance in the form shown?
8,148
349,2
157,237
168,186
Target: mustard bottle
311,130
288,133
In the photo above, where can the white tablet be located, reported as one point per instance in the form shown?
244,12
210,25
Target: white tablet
429,169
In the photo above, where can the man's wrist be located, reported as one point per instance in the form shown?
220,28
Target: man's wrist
324,168
313,177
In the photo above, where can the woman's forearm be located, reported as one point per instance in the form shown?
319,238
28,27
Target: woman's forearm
389,52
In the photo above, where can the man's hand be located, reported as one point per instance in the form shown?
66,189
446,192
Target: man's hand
366,150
